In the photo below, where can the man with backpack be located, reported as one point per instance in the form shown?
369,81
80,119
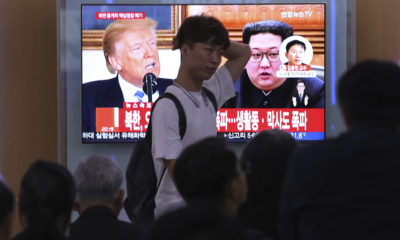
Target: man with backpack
201,88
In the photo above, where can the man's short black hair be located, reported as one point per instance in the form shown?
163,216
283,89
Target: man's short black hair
269,26
204,170
295,42
47,192
201,28
300,81
370,90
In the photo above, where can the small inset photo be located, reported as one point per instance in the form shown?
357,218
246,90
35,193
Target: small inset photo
296,54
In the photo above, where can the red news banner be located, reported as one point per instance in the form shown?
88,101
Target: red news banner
134,117
120,15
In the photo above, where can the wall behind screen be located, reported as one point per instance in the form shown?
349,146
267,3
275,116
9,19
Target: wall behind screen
28,88
378,32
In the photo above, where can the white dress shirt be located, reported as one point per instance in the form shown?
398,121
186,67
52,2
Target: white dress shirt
129,90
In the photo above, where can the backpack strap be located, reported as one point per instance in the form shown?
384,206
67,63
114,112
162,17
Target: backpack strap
211,96
182,122
181,114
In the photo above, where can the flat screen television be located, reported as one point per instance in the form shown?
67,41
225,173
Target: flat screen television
304,58
81,60
332,40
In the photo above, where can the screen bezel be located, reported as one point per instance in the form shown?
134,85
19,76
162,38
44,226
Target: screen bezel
326,52
340,35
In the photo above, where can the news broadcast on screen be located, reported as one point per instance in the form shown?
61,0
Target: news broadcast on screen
281,87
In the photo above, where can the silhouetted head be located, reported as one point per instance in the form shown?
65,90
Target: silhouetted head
266,157
370,90
46,198
208,170
98,181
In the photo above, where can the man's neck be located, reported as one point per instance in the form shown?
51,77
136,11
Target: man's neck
95,204
137,83
187,82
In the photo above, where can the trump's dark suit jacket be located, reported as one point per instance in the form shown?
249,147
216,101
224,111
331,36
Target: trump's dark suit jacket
106,93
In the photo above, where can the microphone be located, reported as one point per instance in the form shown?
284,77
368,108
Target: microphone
149,85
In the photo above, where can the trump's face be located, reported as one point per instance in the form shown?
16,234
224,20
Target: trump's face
262,71
136,54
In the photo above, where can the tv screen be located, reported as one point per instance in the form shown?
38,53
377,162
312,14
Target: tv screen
296,104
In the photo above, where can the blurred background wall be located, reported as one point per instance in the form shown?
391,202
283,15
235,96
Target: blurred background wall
28,87
377,29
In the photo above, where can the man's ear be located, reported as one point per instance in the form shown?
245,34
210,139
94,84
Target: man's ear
115,63
118,202
184,49
286,54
